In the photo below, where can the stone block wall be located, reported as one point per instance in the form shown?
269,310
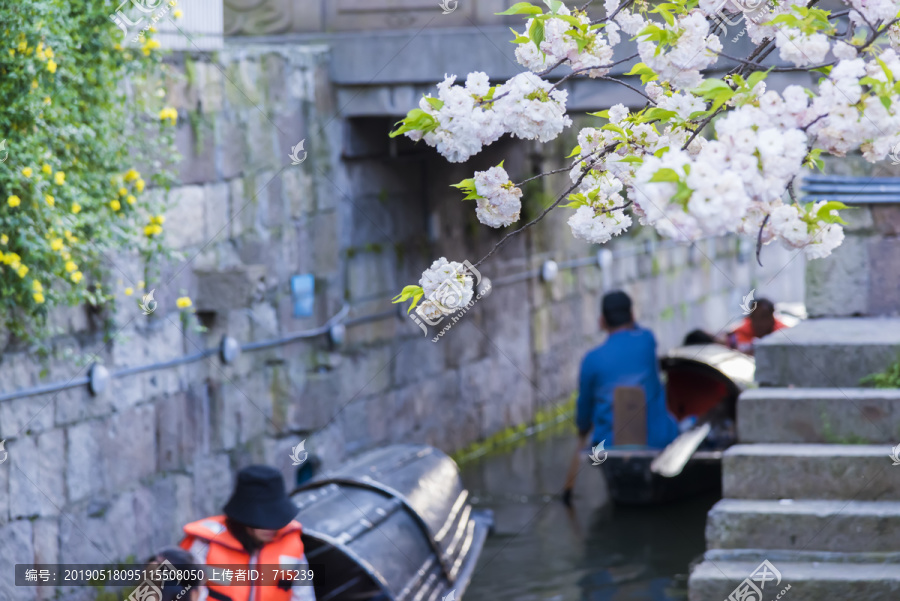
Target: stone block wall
104,478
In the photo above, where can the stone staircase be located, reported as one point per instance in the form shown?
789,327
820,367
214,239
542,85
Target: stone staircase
811,487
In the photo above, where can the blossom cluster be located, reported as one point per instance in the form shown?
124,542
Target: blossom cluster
704,156
680,63
561,46
499,200
464,119
447,287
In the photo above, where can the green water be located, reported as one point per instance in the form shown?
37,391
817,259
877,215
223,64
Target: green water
541,550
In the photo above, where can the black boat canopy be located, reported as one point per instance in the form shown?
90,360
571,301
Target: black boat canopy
394,524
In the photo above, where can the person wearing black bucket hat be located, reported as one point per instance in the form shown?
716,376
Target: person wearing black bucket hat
256,528
626,358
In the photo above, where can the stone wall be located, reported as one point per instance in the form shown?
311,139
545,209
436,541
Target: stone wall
101,478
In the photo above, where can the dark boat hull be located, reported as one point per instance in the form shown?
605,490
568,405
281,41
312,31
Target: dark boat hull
630,481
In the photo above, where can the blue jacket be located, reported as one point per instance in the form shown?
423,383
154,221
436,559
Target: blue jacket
627,358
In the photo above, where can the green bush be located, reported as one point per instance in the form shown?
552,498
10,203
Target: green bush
80,120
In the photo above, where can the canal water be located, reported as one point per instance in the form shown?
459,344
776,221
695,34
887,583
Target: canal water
542,551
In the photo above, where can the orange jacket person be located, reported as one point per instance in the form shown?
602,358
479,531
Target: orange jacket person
257,529
760,323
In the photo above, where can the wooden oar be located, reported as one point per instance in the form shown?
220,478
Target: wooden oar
577,458
674,457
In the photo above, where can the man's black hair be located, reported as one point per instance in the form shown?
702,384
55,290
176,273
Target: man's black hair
616,309
765,304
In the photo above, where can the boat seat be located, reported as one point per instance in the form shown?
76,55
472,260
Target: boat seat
629,416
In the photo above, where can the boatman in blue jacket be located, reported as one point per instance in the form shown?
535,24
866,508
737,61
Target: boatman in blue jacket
626,358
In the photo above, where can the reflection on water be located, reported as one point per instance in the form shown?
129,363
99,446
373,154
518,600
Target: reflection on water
540,550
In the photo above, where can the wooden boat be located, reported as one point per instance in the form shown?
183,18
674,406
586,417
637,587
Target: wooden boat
393,524
701,380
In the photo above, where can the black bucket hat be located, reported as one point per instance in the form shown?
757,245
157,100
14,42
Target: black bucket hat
260,500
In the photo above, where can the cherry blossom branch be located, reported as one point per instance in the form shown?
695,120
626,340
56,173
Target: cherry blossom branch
585,69
877,34
759,239
544,213
546,173
614,13
550,69
761,67
561,169
627,85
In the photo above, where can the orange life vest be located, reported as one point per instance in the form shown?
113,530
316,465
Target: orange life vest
286,550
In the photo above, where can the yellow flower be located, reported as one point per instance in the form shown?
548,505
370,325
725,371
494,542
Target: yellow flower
60,178
48,100
184,302
148,230
40,47
27,171
149,46
76,208
65,255
50,200
22,271
139,185
178,13
47,169
129,291
131,199
41,55
132,175
115,205
160,219
76,277
49,52
34,84
13,201
122,191
38,298
51,66
71,266
56,245
140,284
12,51
22,46
168,113
4,239
117,46
36,286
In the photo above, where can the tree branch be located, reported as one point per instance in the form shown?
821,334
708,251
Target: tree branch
759,239
543,214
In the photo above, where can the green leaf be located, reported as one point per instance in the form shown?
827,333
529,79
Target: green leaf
436,103
647,74
519,39
710,85
634,160
536,32
416,120
661,114
554,5
522,8
665,174
575,152
409,292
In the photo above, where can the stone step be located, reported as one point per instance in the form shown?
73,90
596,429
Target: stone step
827,352
808,581
823,415
808,525
810,471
